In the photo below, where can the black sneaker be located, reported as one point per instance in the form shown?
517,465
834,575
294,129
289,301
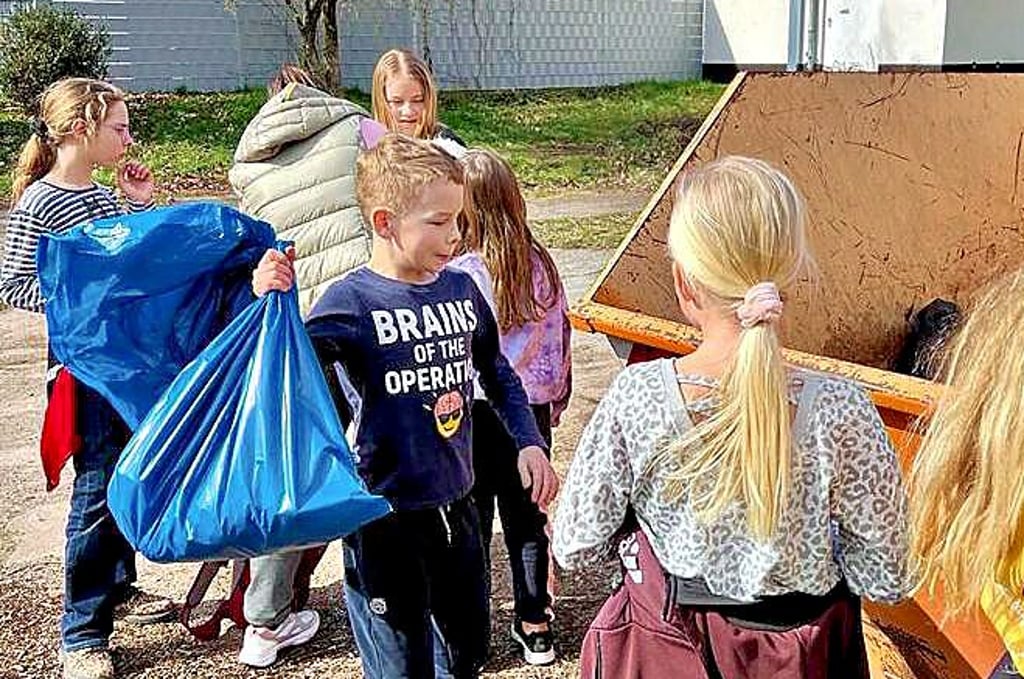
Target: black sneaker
538,647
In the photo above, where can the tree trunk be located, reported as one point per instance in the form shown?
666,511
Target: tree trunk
306,14
332,47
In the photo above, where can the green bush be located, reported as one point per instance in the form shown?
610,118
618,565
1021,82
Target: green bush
41,45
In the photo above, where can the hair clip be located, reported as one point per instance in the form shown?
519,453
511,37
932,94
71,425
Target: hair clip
39,128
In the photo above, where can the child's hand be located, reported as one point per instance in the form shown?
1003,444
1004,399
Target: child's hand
274,272
536,474
136,182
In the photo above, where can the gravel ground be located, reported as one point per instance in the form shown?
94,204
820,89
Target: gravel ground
30,608
31,544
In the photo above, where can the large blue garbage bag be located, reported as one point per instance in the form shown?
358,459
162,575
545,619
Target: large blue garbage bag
244,453
130,300
241,451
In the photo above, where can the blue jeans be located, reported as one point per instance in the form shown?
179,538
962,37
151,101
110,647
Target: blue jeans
363,622
98,562
417,596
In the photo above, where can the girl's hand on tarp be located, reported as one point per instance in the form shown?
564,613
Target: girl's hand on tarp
274,272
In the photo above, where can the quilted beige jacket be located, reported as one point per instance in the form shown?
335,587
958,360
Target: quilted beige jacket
295,168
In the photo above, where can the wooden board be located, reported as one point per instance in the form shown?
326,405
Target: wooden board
914,189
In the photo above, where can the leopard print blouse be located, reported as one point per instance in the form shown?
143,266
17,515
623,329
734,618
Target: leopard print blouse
846,512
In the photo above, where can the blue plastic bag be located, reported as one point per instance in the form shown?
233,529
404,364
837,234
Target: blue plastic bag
244,453
241,452
131,300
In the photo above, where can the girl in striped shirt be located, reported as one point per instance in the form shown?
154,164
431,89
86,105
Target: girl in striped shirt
81,124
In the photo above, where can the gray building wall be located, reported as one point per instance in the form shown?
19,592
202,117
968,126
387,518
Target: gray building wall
503,44
472,44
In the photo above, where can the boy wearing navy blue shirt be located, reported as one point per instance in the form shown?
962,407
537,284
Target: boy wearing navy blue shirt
410,335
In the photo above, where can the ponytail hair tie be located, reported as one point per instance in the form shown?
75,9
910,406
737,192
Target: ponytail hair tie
761,304
40,129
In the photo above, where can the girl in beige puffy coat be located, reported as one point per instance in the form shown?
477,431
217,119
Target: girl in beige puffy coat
295,168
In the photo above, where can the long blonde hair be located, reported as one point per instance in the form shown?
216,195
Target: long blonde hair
738,222
404,62
493,223
61,105
967,481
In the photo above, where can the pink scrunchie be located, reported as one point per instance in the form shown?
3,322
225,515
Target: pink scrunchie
761,304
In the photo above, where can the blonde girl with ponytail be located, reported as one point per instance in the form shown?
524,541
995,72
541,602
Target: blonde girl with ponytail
81,124
770,496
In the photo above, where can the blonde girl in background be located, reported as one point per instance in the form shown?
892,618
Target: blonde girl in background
404,99
771,496
966,484
82,124
522,286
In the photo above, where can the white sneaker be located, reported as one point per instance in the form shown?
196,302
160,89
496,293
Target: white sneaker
538,647
261,644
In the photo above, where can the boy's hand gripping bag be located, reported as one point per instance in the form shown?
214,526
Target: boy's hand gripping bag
244,453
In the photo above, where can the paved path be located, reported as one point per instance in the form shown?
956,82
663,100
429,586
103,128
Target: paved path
579,268
572,204
585,204
579,204
576,204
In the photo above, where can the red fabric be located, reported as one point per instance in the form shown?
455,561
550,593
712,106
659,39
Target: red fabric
304,573
227,609
641,353
60,438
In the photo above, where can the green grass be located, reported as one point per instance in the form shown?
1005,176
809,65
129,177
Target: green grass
604,231
13,133
626,136
558,139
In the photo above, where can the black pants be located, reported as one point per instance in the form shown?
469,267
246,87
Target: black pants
407,570
497,478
